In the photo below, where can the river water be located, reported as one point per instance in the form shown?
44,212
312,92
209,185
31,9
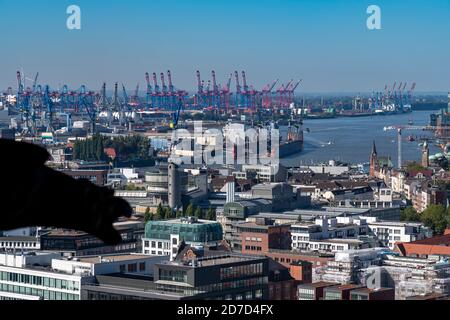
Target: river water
351,139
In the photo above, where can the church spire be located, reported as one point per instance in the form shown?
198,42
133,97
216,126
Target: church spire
373,161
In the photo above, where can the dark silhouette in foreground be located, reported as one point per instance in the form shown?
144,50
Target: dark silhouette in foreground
32,194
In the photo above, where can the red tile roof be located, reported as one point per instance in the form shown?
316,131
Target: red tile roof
438,245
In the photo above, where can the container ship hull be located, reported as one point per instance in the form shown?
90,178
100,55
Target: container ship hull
290,148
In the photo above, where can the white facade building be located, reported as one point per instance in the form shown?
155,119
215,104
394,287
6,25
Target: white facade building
332,235
391,232
21,279
46,276
19,243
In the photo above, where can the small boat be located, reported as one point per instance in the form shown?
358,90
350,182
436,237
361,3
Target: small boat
411,139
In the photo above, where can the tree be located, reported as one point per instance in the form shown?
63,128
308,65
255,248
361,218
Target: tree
148,216
159,213
414,166
190,210
168,214
211,214
436,217
198,213
99,150
410,215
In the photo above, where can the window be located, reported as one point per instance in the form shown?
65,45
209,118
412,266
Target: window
173,275
142,266
132,267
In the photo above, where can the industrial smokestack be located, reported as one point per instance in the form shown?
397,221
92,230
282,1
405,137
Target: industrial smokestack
174,191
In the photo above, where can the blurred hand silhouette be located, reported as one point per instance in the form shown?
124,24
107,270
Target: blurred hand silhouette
32,194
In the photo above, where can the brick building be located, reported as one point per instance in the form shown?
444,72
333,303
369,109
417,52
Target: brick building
260,237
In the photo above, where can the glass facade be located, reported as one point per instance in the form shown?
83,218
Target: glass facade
241,271
195,232
356,296
330,295
173,275
306,294
47,288
218,288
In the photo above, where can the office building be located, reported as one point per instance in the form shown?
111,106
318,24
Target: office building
163,238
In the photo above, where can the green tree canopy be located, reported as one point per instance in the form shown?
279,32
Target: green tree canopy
211,214
436,217
148,216
190,210
198,213
410,214
159,213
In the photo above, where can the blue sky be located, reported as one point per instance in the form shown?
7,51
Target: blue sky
324,42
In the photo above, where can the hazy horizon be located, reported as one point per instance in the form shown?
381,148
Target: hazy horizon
326,43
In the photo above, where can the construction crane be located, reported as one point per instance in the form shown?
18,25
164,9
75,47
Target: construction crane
157,93
149,97
134,101
291,91
48,103
267,94
226,93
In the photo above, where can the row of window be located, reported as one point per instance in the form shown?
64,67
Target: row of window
132,267
253,248
39,281
384,230
156,245
215,287
253,239
317,246
158,253
306,294
23,244
43,294
173,275
241,271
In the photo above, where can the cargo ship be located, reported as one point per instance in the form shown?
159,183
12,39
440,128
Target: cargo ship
293,143
289,145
